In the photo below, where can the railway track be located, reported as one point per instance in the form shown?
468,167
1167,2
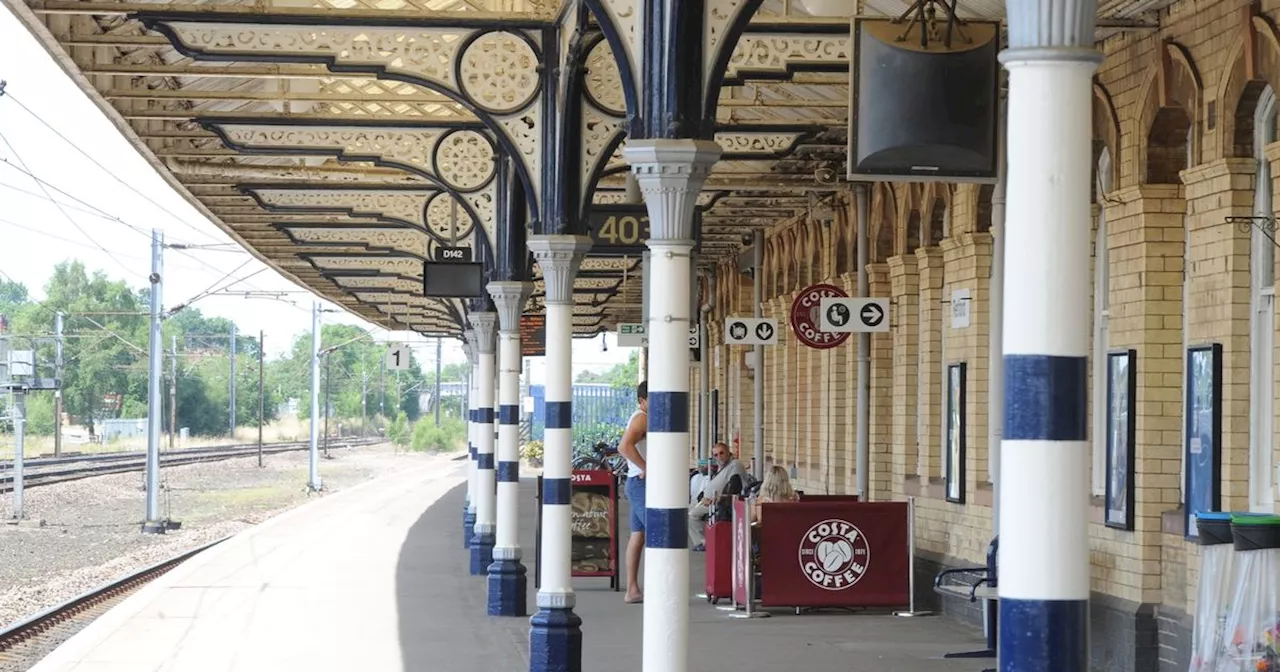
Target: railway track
48,470
26,642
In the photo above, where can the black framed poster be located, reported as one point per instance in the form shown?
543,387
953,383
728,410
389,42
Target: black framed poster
1202,450
1122,394
955,432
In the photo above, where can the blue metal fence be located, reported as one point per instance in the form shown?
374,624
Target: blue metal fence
600,412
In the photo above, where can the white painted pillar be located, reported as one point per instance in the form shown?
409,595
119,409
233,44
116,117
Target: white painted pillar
469,511
1044,484
555,638
508,583
671,174
482,324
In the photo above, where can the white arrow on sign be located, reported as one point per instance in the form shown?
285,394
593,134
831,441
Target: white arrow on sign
750,331
694,338
840,315
398,358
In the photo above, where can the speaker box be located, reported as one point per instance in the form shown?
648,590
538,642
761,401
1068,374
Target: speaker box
924,112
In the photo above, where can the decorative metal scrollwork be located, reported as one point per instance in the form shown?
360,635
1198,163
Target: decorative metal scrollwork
464,159
1265,225
499,71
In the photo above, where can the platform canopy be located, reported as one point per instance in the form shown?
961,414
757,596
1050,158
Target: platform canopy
342,141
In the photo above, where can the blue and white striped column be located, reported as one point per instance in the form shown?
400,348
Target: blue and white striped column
1044,490
555,638
483,325
508,583
670,174
469,508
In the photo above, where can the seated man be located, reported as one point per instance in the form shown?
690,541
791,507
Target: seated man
729,468
698,482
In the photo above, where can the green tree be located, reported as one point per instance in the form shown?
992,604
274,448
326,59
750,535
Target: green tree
619,376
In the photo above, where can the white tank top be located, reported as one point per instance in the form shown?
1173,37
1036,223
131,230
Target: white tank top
632,468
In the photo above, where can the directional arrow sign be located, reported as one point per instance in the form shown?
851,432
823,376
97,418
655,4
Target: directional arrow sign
854,315
750,331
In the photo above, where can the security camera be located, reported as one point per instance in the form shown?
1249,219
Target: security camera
747,239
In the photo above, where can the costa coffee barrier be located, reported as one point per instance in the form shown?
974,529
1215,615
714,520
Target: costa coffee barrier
828,498
835,554
741,551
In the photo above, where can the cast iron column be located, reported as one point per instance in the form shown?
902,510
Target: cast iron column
1044,484
507,581
482,543
469,513
671,174
555,640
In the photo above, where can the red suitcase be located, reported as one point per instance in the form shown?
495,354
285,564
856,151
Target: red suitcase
719,561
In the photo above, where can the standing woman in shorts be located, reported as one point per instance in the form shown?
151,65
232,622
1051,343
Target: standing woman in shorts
632,447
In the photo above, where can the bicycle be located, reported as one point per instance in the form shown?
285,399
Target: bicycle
602,457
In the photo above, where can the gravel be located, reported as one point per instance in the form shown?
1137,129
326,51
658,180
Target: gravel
82,534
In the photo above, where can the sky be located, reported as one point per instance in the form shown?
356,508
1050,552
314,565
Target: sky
36,234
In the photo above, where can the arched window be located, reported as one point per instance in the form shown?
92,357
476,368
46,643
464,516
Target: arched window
1262,323
1101,324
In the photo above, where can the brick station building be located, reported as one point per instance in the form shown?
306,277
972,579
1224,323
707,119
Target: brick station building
1184,137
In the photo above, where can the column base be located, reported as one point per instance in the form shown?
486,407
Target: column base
508,588
555,641
468,526
481,553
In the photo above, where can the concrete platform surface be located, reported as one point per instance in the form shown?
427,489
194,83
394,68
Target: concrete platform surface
374,579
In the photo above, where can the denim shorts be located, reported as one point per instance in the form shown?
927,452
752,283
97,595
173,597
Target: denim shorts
635,495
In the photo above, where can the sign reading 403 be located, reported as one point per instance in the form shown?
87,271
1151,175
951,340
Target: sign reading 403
623,229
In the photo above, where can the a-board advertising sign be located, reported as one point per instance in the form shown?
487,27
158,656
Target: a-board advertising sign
806,317
835,554
594,523
593,526
741,551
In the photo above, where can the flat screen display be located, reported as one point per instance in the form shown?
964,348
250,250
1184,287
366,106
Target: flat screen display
444,280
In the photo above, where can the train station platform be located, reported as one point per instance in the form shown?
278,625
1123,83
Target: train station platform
374,579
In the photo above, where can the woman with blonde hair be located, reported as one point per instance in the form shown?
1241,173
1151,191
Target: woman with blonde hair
776,489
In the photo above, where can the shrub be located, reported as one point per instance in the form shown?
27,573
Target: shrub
398,432
448,437
532,453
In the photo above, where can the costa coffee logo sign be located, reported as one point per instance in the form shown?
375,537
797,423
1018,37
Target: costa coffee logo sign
806,321
834,555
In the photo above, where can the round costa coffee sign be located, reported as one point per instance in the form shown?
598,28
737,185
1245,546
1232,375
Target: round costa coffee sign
805,321
834,555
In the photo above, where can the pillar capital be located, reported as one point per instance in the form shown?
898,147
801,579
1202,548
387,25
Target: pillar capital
483,329
559,257
671,174
1052,30
469,345
509,296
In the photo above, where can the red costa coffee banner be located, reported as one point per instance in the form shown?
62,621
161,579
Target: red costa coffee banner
805,321
834,554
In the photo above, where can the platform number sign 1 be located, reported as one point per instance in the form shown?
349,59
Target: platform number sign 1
398,358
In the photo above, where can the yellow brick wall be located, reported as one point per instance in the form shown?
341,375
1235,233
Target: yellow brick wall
904,280
810,395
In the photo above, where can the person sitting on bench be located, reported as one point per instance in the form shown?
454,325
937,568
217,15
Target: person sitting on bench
776,489
729,468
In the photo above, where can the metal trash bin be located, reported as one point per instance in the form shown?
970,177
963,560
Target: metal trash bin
1253,620
1215,592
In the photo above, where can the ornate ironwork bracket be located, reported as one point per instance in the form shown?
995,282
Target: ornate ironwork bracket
1267,225
926,13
